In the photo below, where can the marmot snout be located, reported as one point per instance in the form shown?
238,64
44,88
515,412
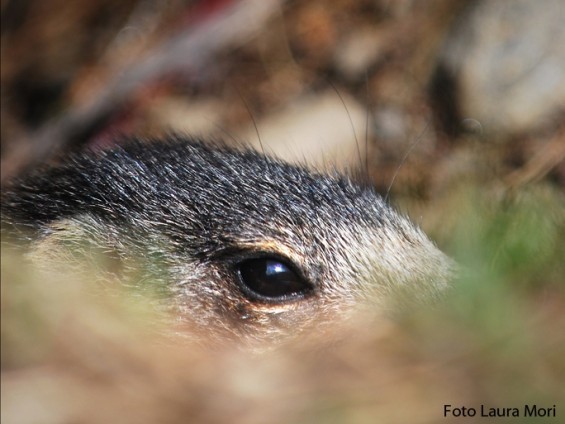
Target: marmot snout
237,242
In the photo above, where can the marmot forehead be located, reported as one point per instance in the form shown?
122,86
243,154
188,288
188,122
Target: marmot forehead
243,240
217,182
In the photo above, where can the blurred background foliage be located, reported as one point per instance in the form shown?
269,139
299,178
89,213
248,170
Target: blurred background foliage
452,109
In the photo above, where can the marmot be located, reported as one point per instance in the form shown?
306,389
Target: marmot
237,242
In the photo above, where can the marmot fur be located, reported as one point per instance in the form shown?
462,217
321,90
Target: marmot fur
233,242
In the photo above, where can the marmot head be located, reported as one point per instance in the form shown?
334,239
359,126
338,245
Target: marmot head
236,243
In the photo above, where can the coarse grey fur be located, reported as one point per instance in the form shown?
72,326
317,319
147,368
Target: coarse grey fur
175,216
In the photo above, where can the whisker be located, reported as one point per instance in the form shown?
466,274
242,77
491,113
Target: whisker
253,120
350,120
405,157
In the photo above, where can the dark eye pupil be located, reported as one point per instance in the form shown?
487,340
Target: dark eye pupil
271,278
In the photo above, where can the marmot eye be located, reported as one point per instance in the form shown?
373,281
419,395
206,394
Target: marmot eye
271,279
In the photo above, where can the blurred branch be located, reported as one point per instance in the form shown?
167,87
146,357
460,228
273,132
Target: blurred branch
189,52
549,157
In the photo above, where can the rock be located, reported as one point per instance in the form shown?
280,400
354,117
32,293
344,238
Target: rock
505,59
358,52
325,122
